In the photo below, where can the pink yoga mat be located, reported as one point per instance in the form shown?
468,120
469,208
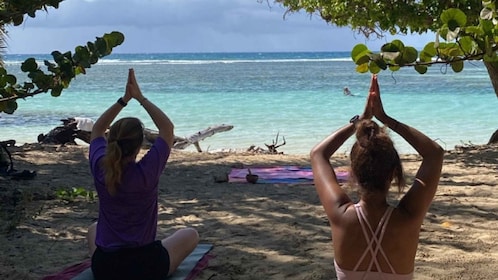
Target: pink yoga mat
287,174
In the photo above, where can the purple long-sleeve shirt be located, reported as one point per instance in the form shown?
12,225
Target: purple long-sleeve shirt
129,218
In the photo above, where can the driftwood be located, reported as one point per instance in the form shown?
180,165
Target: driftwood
64,134
271,149
194,139
181,143
67,133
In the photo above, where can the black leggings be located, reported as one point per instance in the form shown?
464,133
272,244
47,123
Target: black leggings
148,262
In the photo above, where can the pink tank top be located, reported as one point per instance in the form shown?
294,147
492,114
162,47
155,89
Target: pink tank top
374,248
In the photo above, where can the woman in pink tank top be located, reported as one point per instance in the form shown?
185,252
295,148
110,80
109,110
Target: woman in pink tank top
372,239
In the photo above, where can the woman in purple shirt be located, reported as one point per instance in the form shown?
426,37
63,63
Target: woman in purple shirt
123,243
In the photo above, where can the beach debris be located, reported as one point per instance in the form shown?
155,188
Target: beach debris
63,134
72,129
251,178
194,139
273,147
270,149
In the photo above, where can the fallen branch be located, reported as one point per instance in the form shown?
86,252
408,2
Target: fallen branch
195,138
67,132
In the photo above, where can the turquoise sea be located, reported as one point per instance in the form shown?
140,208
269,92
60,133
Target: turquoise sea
296,95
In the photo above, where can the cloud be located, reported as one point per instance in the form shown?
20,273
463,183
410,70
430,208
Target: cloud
178,26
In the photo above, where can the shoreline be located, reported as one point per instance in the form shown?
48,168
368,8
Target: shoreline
270,231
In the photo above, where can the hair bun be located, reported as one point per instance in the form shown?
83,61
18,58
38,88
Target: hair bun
366,132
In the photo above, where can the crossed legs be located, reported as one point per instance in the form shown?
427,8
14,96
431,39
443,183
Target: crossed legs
179,245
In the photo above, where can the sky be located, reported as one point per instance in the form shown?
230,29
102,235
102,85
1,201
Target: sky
164,26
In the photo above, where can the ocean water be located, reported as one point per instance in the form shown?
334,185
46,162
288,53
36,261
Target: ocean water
298,96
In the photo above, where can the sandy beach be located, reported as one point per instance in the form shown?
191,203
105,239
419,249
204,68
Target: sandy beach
261,231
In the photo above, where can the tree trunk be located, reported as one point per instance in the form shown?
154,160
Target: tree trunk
492,68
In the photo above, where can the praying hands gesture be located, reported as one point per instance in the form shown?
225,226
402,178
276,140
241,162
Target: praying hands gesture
132,88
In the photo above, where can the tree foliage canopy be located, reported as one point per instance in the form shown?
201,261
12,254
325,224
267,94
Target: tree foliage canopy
13,12
384,15
466,30
64,67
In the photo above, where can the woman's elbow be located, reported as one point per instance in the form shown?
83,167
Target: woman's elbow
315,153
438,153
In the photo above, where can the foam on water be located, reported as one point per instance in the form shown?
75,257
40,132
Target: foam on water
296,95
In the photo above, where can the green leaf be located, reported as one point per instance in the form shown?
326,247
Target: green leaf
359,48
410,55
362,58
56,91
421,69
374,68
390,48
29,86
454,18
487,27
52,67
114,39
11,79
57,55
443,32
455,51
101,46
17,19
476,30
29,65
380,63
399,44
457,66
468,45
429,49
79,70
363,68
91,47
80,54
10,107
425,58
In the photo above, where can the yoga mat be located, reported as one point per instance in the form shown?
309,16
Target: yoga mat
188,269
286,174
193,264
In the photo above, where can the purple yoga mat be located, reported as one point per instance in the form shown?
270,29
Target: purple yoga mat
279,174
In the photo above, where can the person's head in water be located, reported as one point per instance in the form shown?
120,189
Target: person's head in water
374,160
124,140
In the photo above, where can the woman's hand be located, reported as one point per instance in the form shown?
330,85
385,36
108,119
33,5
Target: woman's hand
368,113
132,87
127,96
375,100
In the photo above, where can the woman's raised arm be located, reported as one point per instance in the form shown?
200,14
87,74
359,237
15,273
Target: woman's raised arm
419,197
